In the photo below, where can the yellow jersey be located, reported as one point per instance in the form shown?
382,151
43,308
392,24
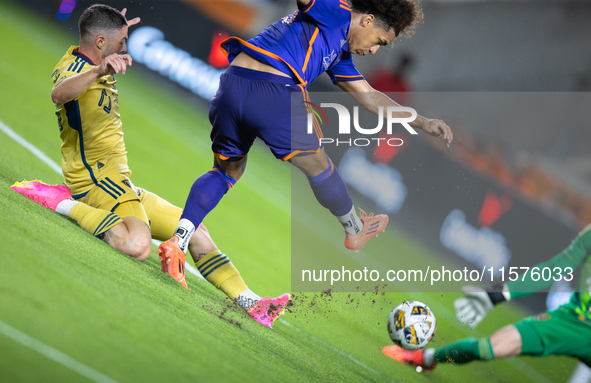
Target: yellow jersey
90,127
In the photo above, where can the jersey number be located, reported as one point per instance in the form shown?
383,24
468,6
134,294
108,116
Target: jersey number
106,108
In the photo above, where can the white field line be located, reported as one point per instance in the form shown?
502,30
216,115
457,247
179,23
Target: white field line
32,148
53,354
52,164
334,349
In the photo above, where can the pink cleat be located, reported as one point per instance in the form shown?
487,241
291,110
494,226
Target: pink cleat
47,195
267,310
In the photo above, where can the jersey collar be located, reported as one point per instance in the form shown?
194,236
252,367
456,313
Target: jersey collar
76,53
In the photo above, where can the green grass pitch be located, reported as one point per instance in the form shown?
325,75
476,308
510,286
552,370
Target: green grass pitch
130,322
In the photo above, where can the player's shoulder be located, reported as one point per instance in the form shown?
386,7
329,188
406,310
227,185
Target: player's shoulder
330,13
73,62
67,58
331,6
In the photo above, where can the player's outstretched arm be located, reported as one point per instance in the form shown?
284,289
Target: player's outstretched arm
477,302
561,265
74,86
371,99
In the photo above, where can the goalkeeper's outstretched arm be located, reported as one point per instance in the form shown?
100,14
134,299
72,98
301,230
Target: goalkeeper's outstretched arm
477,302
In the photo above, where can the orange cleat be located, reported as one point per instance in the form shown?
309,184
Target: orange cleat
372,226
173,260
267,310
413,358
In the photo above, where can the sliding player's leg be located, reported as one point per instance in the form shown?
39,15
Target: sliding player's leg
125,233
214,265
114,192
132,237
217,268
331,192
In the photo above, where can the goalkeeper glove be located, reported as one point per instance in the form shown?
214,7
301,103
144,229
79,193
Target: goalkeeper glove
477,302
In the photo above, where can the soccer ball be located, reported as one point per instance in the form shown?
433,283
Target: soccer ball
411,325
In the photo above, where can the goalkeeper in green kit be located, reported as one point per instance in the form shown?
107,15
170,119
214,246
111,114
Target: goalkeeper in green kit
564,331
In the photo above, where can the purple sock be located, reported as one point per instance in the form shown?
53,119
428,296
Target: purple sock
205,194
330,190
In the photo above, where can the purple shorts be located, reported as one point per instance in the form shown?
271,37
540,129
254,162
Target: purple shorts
250,104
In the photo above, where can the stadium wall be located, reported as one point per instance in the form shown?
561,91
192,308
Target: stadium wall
496,46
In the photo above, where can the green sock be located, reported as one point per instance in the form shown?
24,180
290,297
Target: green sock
464,351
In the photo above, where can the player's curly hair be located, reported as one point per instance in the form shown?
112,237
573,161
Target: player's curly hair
400,15
100,17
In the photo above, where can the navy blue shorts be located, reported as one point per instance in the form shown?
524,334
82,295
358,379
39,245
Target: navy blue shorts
251,104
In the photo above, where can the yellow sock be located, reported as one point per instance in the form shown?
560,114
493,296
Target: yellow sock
220,272
93,220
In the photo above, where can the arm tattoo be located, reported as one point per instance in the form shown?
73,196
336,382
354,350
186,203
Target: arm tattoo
107,235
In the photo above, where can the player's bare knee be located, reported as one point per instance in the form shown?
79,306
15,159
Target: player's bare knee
137,242
506,342
139,248
116,236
